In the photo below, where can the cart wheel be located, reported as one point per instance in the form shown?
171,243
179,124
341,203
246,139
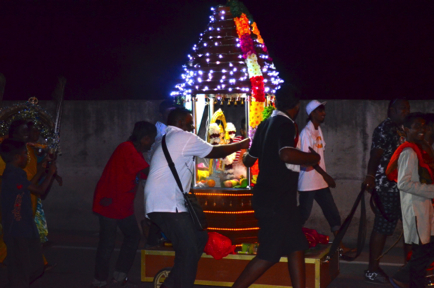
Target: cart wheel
161,276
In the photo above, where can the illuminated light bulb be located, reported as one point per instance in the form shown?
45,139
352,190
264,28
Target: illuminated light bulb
200,72
207,59
210,37
218,29
222,17
220,56
265,80
240,56
223,70
199,79
230,64
267,89
207,54
237,39
218,62
223,12
238,45
211,71
197,87
232,73
206,88
223,86
204,44
216,44
210,28
212,8
230,89
235,69
223,77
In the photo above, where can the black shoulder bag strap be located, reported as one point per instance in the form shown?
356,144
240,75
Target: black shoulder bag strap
196,212
171,164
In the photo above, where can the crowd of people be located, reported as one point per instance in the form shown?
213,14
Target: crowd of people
400,174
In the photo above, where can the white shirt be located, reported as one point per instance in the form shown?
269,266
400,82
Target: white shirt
161,130
309,179
162,194
416,204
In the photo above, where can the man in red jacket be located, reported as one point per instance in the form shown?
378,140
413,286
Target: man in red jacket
114,203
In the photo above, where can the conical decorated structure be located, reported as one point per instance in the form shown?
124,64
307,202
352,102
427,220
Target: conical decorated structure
230,58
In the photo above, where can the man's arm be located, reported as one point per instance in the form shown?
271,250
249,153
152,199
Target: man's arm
373,163
221,151
407,163
41,189
248,160
329,179
297,157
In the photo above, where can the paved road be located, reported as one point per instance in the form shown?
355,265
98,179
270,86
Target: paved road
74,254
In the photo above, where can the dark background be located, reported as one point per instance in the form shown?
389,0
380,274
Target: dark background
135,49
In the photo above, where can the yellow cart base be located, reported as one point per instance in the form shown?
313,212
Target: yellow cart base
319,272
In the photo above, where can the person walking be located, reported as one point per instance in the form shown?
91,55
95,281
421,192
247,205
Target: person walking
385,139
114,204
275,193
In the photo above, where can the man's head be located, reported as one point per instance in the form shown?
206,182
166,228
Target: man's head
14,151
164,109
414,126
143,135
288,100
181,118
429,128
34,132
19,130
316,111
398,109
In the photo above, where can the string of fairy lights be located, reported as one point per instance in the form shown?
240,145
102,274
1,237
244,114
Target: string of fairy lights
230,57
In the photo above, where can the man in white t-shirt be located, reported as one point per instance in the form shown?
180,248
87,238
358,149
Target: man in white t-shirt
164,201
314,182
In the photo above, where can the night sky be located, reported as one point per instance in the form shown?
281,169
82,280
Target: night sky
114,50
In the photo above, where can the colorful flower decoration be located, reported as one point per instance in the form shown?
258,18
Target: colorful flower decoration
242,24
255,111
255,31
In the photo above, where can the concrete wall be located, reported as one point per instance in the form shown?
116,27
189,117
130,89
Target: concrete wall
91,130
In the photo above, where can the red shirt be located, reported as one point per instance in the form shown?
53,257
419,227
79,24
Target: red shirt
115,191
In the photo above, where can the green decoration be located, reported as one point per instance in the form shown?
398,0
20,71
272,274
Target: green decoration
267,112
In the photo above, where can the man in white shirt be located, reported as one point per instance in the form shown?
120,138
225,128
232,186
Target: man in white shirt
164,201
151,232
313,181
416,193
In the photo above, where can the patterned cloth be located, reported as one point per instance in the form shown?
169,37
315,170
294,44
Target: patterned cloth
41,222
387,137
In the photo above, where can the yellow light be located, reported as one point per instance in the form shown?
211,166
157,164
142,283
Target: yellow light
233,229
226,212
222,194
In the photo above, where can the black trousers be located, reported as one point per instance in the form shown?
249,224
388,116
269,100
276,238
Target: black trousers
414,271
24,261
106,245
188,244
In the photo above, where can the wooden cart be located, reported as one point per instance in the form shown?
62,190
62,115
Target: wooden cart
156,263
